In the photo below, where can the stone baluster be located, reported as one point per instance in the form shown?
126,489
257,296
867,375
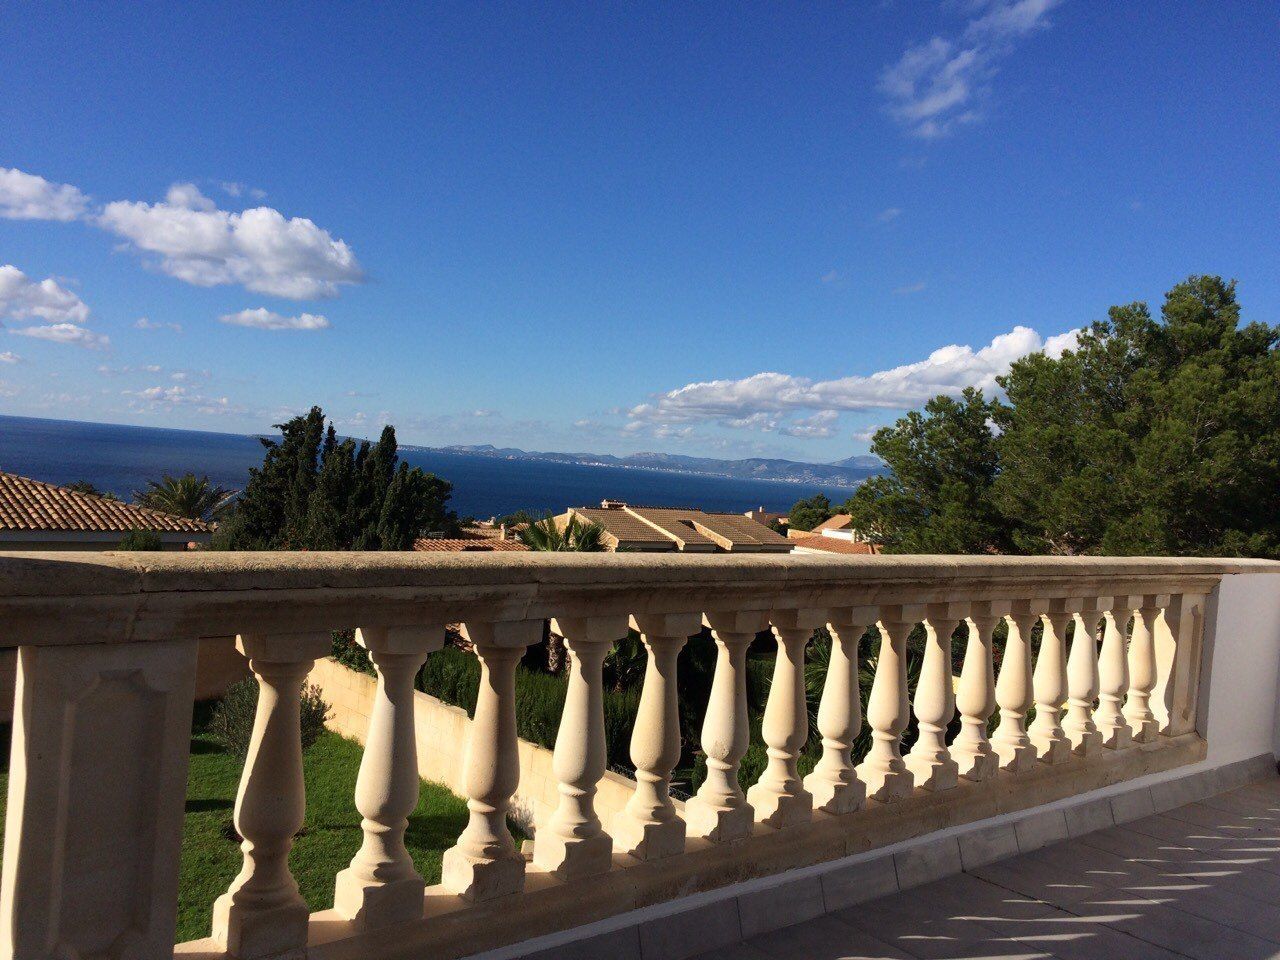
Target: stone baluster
1142,668
930,761
649,828
1178,645
834,782
1013,691
485,863
720,811
572,843
976,694
262,914
1113,676
381,887
1082,682
1049,683
98,779
888,710
779,796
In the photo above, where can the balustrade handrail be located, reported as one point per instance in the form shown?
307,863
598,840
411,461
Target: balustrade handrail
128,597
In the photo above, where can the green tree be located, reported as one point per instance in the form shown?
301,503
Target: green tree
574,535
195,498
87,486
937,497
144,540
807,514
316,492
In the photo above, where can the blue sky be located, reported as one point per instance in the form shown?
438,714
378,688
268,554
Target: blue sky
723,229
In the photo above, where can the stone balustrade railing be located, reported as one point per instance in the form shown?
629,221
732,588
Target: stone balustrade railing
107,648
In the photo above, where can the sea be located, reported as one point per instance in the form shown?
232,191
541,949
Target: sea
121,459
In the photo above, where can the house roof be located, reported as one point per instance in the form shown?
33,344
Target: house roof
627,530
840,521
836,545
465,544
27,504
667,528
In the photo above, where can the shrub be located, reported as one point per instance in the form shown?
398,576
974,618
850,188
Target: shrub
349,653
231,725
141,540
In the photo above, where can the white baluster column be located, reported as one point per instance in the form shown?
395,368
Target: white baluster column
1142,668
1082,682
1049,683
930,761
1180,637
381,887
976,694
720,811
1113,676
485,863
779,797
1013,691
834,782
649,828
572,843
262,914
888,710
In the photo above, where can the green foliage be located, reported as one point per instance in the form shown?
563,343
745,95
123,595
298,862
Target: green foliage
807,514
575,535
195,498
86,486
314,492
141,540
350,654
231,724
1152,436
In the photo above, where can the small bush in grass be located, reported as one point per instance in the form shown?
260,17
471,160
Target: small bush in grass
232,722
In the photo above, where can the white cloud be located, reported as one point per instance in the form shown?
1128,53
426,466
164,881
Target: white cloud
258,248
169,398
759,401
910,288
233,189
66,333
888,214
263,319
24,196
22,298
10,357
831,276
935,85
142,323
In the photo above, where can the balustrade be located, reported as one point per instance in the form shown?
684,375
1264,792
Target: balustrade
1145,689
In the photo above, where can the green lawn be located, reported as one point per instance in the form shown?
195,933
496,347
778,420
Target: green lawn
330,835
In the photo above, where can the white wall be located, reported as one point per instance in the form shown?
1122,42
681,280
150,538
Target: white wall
1244,672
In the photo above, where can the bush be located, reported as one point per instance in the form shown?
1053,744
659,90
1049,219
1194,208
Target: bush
350,654
141,540
231,725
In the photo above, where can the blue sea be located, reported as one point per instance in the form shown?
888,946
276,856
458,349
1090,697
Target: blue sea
121,459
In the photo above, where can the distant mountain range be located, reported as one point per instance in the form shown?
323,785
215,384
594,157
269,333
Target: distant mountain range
843,473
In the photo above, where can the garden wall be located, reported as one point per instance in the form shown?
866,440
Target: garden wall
442,734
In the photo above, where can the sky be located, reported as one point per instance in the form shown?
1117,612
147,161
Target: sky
717,229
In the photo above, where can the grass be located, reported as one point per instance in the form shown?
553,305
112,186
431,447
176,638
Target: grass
329,838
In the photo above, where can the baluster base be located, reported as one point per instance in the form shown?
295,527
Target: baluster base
250,932
655,840
718,824
1017,757
977,765
1086,743
370,904
1117,738
478,878
570,858
781,810
1143,730
1051,747
833,796
931,772
886,786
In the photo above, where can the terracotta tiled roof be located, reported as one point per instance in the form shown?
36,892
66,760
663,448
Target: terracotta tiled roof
33,505
839,522
466,545
625,528
836,545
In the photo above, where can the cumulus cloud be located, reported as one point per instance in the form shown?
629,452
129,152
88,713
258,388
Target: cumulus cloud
142,323
24,196
761,401
67,333
169,398
8,356
263,319
936,85
258,248
22,298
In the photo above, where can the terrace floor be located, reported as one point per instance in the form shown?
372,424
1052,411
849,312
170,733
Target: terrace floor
1201,881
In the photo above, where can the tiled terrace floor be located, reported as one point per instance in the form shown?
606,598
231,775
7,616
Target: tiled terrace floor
1200,881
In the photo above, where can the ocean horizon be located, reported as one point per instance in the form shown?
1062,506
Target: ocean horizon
120,459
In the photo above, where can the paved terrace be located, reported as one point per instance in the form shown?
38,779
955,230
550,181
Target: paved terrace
1199,881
